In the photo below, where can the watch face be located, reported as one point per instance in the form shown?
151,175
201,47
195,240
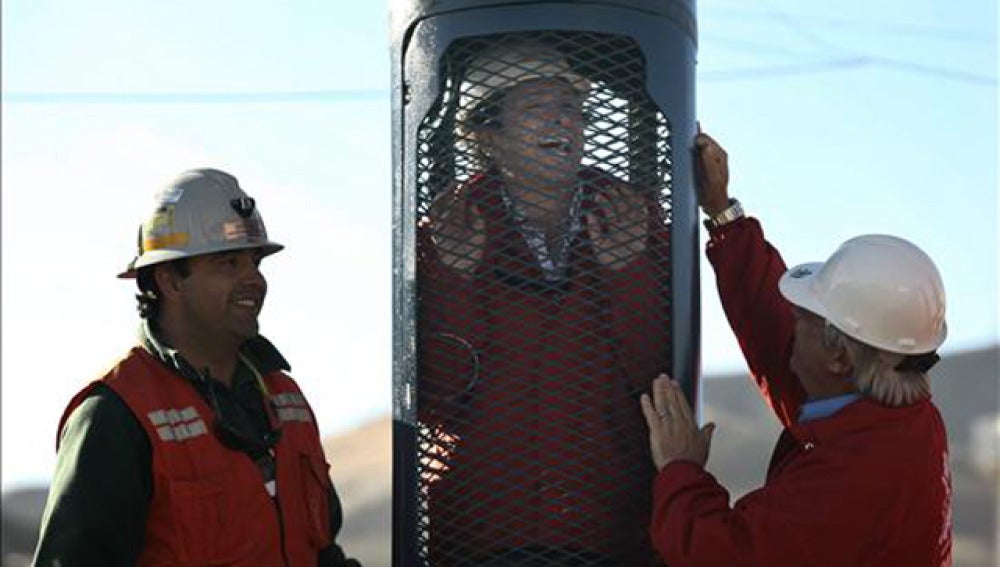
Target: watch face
728,215
734,212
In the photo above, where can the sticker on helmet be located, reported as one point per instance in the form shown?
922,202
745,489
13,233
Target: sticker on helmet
170,194
247,229
162,220
166,240
243,206
800,273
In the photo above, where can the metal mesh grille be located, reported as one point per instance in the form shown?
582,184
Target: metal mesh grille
543,301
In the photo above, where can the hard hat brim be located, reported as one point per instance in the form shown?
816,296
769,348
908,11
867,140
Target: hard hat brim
154,257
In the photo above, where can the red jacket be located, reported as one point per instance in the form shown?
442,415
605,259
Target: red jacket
209,505
867,486
549,437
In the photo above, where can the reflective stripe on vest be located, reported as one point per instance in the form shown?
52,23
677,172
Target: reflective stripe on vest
291,406
177,425
210,505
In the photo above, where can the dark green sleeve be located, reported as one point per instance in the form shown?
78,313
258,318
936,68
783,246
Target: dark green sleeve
97,503
332,555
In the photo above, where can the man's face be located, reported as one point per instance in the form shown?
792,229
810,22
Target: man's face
540,140
223,295
810,357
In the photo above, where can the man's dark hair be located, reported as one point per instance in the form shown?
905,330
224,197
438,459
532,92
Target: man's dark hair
148,298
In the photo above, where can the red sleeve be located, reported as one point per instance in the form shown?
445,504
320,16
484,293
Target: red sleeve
639,300
447,343
747,270
806,518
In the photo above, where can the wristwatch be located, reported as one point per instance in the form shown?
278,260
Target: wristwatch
733,212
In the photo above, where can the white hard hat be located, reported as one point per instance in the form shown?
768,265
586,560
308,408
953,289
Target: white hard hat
880,290
203,211
508,64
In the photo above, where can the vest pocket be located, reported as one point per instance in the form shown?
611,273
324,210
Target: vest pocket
316,483
208,532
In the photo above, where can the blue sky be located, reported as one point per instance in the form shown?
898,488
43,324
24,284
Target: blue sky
840,118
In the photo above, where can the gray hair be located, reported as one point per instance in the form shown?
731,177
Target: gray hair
876,371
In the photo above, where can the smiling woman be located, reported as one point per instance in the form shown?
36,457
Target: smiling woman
545,302
536,140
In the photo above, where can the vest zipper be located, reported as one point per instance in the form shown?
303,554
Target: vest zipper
281,519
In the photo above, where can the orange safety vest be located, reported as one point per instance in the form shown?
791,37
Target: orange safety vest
209,505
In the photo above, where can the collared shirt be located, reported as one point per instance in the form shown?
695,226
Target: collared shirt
257,351
242,402
818,409
554,263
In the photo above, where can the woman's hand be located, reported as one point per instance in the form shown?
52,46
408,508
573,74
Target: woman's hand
618,225
458,230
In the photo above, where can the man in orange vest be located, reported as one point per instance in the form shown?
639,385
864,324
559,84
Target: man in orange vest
195,448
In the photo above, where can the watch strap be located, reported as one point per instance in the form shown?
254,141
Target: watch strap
731,213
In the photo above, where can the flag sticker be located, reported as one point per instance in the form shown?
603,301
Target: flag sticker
243,229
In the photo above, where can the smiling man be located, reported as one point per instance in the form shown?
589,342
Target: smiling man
196,448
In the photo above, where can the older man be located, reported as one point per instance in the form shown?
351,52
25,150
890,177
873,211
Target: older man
840,351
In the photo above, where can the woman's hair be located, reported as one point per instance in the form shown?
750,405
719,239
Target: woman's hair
472,122
876,371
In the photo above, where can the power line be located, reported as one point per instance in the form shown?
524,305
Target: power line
795,26
273,97
842,58
844,63
372,95
749,45
895,28
921,69
753,73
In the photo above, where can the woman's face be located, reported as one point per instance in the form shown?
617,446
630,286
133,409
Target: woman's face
540,138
